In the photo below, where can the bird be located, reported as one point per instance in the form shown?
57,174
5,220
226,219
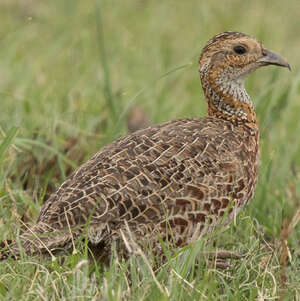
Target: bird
175,181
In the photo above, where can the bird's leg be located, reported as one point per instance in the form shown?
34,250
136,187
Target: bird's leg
219,258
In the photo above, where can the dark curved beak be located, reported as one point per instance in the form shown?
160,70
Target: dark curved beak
273,58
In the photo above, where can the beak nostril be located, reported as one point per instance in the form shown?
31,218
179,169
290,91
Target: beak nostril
264,52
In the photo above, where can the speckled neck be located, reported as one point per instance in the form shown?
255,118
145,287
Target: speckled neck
226,96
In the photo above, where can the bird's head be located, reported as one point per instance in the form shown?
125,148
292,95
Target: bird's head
225,62
237,54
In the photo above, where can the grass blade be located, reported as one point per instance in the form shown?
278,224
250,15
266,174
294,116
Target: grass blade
109,96
7,141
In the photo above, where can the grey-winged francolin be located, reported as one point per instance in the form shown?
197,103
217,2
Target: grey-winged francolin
174,181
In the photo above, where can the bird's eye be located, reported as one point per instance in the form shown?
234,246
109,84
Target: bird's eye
239,49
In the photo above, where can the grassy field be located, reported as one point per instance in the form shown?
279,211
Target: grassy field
69,72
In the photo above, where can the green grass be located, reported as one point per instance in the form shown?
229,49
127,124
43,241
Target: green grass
70,69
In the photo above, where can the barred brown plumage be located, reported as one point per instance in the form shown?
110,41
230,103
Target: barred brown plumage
174,180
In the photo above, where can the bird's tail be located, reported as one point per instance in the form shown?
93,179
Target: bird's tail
37,241
8,249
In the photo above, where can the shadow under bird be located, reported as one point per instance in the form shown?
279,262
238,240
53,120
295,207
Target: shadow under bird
173,181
